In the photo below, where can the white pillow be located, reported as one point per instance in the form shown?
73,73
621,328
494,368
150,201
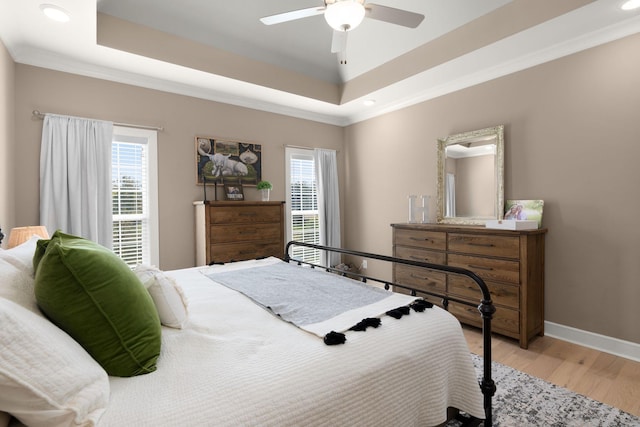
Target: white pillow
46,378
166,294
17,285
22,255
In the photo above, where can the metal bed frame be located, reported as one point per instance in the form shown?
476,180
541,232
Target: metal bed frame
486,307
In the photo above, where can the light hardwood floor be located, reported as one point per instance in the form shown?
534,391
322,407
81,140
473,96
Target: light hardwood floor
601,376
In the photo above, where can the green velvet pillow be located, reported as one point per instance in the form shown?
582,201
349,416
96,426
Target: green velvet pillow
90,293
41,248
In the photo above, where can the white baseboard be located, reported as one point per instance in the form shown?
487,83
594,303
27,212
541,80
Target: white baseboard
618,347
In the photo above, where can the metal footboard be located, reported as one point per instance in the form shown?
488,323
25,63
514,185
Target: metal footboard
486,307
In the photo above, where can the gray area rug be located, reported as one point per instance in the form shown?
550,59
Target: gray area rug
523,400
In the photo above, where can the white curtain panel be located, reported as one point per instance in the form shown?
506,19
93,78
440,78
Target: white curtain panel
328,202
75,177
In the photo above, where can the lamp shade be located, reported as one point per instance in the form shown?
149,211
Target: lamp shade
344,15
20,235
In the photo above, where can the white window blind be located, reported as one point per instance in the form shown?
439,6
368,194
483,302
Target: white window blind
303,224
134,196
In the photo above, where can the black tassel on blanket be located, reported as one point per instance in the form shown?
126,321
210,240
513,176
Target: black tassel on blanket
420,305
374,322
334,338
397,313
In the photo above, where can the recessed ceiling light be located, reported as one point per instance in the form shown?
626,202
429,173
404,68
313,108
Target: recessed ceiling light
55,12
630,5
369,102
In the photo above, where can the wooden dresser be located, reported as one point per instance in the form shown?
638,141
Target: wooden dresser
235,231
510,262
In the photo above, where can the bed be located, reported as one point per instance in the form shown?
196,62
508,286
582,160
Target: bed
230,362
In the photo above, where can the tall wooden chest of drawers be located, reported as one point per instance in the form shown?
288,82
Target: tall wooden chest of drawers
510,262
235,231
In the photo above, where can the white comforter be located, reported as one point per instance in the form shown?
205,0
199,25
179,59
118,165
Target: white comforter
234,364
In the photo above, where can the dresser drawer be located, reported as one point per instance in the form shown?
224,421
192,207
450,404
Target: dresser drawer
420,238
242,251
495,246
422,255
501,294
420,278
245,233
488,268
505,321
244,214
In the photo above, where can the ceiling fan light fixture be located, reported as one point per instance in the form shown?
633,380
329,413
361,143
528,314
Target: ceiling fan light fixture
344,15
630,5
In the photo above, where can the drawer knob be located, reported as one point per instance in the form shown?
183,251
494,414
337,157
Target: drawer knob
484,245
417,258
419,239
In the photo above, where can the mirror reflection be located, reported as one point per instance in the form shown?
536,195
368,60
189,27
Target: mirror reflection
470,176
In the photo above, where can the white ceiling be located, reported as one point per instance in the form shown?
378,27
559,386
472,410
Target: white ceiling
303,47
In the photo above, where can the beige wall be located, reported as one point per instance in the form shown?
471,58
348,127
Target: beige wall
572,138
7,132
182,117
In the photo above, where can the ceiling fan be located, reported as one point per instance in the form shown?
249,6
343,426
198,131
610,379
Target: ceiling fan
345,15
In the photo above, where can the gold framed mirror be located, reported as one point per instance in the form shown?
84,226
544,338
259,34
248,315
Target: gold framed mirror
471,177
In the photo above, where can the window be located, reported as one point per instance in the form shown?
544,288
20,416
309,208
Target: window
302,201
135,195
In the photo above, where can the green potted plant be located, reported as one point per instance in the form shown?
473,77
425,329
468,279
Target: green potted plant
265,187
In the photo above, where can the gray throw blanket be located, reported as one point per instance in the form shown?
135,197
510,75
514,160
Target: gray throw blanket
299,295
315,300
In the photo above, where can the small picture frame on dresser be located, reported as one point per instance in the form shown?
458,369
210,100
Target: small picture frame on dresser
233,191
524,210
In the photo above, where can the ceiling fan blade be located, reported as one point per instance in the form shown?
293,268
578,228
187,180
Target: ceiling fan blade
339,41
393,15
293,15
